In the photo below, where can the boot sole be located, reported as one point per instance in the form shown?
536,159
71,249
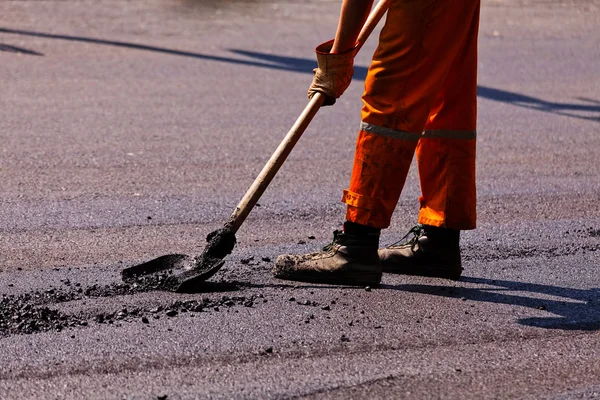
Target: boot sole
451,272
355,280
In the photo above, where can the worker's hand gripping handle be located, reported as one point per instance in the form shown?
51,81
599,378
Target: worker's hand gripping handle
289,141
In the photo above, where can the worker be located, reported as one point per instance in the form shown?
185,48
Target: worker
420,97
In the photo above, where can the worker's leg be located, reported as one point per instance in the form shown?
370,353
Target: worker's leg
446,162
446,152
418,47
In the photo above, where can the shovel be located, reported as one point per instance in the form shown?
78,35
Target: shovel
183,273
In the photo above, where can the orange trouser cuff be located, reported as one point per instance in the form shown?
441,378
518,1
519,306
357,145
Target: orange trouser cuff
447,174
381,164
365,210
446,162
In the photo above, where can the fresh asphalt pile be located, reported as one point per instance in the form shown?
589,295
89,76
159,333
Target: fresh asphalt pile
23,315
32,312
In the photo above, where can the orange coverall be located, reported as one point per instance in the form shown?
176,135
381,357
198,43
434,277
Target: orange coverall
420,95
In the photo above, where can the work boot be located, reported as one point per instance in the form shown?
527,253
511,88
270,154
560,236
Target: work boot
350,259
431,251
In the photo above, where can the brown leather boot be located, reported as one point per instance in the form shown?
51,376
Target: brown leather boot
351,259
431,251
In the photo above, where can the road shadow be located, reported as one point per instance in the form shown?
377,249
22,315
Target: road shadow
255,59
18,50
534,103
578,309
360,73
591,108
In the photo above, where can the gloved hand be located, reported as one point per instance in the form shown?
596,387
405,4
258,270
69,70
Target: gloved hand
334,73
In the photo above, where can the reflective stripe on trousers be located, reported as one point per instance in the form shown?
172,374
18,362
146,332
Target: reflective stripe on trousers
420,96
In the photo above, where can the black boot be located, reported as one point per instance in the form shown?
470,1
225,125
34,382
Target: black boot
431,251
351,259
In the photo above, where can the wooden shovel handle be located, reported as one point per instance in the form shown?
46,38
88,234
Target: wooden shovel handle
268,172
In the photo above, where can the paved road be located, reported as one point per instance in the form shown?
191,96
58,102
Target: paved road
130,129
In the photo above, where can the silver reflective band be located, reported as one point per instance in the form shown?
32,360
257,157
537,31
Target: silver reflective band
450,134
392,133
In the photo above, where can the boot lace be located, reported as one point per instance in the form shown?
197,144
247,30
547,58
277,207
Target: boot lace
417,231
337,235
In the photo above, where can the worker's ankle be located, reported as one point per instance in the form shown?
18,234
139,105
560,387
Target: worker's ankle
435,234
352,228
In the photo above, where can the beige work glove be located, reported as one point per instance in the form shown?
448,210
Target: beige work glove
333,74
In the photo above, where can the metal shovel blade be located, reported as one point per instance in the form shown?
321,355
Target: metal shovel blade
159,264
172,272
180,272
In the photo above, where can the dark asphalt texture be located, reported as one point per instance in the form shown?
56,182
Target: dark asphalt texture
131,129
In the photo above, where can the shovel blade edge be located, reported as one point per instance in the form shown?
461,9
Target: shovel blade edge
162,263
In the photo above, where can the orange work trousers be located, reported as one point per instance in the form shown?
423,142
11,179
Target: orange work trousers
420,96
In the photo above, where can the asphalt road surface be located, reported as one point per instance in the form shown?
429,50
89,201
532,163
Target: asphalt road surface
130,129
